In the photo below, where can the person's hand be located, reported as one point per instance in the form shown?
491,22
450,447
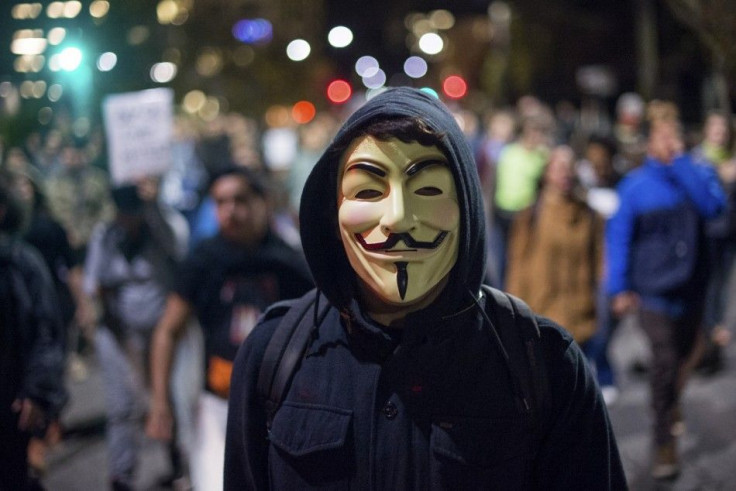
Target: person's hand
86,316
727,171
624,303
31,415
160,422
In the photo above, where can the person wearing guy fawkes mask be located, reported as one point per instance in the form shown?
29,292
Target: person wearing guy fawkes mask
401,386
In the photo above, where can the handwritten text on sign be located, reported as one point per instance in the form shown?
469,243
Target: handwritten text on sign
139,130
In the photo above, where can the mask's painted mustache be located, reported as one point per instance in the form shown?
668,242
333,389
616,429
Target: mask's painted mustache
394,239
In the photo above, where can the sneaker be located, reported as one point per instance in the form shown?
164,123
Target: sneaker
77,368
666,465
610,394
678,423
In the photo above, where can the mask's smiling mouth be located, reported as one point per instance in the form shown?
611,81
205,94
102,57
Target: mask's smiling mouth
394,239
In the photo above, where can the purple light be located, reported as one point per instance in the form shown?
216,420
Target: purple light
253,31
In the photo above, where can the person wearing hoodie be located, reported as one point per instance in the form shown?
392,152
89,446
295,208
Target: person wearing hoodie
401,385
32,392
658,267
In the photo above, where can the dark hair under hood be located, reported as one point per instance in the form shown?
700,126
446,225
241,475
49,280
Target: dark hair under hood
323,248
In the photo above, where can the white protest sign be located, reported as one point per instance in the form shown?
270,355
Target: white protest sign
139,130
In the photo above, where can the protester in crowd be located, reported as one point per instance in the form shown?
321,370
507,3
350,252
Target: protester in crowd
402,382
519,169
715,150
556,249
313,138
500,129
628,132
16,160
657,264
32,392
129,271
46,156
227,281
599,178
45,234
79,197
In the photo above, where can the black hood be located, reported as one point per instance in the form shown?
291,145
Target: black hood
323,248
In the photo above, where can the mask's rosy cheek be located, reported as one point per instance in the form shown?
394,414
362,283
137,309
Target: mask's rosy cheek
358,216
441,214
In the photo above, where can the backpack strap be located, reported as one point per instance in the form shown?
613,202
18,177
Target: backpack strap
517,328
287,345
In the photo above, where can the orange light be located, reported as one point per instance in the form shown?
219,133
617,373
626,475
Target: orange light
339,91
455,87
303,112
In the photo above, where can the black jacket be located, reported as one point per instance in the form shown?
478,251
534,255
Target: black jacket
32,359
433,408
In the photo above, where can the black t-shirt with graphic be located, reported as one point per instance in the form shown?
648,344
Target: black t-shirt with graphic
229,287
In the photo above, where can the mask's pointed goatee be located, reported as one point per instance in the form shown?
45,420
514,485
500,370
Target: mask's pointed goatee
401,278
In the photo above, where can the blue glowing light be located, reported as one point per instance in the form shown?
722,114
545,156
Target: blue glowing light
253,31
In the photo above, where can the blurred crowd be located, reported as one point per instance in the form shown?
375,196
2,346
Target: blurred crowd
552,180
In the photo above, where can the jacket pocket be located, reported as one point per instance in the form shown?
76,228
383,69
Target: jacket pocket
477,453
311,447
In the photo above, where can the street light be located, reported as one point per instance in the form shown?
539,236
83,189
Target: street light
70,58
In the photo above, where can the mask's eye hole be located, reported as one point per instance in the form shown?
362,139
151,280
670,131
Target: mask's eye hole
368,194
428,191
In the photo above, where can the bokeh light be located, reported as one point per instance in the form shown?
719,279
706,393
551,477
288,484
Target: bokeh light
70,58
430,91
340,37
376,80
303,112
209,62
107,61
193,101
163,72
210,110
55,92
366,66
56,35
253,31
54,62
39,89
55,10
455,87
431,43
415,67
72,9
442,19
339,91
166,11
298,50
99,8
45,114
37,63
277,116
137,35
26,89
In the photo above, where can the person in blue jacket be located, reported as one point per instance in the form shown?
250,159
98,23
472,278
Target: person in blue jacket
403,385
657,266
